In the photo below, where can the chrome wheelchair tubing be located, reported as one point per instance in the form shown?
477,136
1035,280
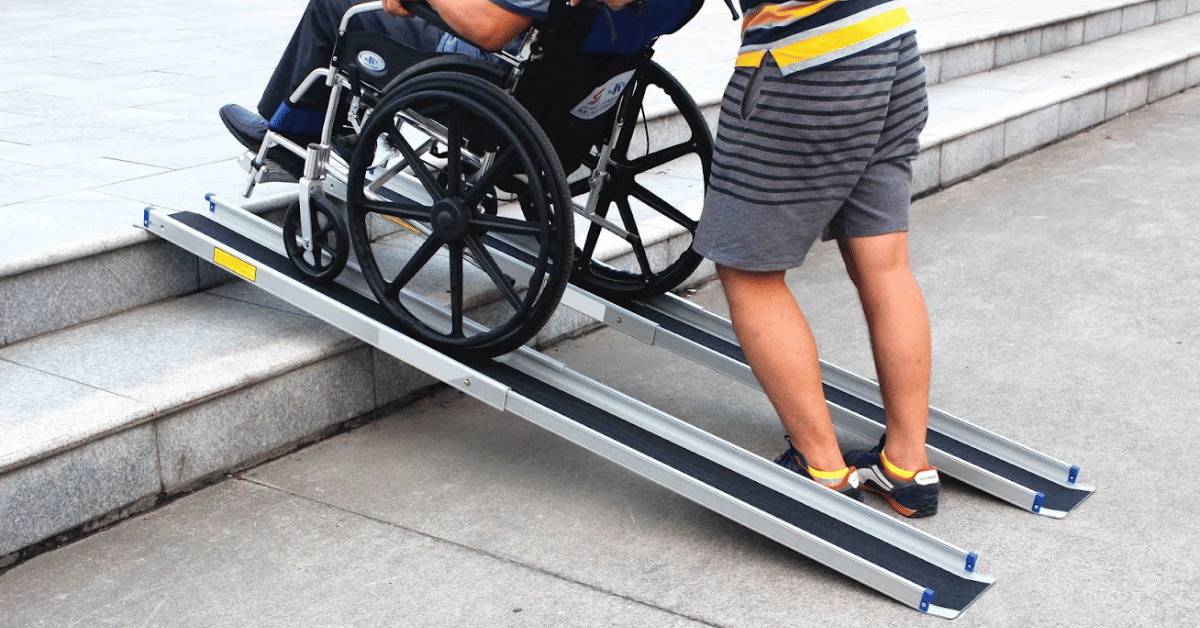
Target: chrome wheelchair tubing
365,7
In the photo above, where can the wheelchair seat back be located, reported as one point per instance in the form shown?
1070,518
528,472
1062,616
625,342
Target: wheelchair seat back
585,65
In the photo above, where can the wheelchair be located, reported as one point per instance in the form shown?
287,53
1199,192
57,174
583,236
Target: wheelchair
471,191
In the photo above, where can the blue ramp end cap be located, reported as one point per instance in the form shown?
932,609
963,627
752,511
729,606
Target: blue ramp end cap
1037,502
926,600
971,559
1073,474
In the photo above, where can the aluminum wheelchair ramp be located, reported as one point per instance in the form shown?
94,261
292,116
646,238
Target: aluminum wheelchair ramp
880,551
973,455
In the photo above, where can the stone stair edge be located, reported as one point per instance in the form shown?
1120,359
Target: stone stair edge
150,404
110,242
1182,7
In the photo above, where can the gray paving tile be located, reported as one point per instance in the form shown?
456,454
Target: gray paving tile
630,537
186,189
970,154
1170,9
41,415
1126,96
967,60
1018,47
396,381
75,487
72,177
87,223
1031,131
1101,25
55,297
927,171
1138,16
299,564
1167,81
182,350
253,424
1062,36
1081,113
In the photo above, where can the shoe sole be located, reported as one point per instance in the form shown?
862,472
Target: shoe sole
927,510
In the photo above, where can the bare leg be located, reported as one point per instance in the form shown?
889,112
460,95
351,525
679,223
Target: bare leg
781,351
900,340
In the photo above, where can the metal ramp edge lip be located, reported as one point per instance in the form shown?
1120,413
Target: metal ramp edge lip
735,507
950,436
500,395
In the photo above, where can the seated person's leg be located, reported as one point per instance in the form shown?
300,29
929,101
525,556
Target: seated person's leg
311,47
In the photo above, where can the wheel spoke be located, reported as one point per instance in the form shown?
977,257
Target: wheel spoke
453,154
421,257
594,229
456,290
401,208
488,263
500,224
631,119
635,238
659,205
661,157
418,166
488,180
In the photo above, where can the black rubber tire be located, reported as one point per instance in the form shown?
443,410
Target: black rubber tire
331,240
478,116
624,170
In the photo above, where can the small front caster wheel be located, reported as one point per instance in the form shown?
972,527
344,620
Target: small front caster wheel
330,240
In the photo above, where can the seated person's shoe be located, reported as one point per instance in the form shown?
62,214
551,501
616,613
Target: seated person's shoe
247,127
914,497
846,485
250,129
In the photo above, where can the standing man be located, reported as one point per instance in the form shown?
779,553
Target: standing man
817,134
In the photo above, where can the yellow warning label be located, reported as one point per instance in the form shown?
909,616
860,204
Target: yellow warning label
401,222
221,258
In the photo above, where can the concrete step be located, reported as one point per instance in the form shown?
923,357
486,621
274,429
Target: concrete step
982,120
135,373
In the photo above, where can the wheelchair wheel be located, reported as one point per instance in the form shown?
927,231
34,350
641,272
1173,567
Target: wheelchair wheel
635,163
484,209
330,241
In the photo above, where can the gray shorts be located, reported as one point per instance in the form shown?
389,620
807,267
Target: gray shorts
821,152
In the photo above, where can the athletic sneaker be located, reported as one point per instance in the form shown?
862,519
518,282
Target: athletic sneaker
848,485
914,497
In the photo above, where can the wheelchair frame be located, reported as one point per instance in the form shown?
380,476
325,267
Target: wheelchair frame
316,229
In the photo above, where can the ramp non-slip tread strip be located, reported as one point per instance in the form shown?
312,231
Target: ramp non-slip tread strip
1058,497
951,591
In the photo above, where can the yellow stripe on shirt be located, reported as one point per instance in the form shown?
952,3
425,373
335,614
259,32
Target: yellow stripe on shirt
826,43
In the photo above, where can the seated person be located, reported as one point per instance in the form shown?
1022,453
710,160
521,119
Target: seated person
487,24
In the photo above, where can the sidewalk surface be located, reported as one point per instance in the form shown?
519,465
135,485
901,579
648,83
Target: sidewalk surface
1062,289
